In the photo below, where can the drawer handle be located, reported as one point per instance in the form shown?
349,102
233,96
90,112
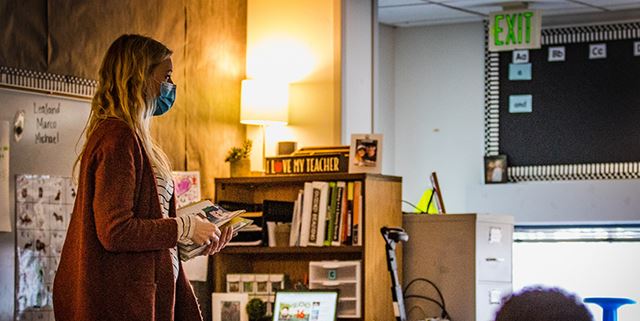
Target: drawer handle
494,259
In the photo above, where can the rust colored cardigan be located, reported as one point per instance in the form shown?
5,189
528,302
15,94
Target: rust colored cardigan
115,263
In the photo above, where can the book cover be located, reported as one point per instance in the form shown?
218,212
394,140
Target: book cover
307,200
315,209
294,237
347,236
341,188
357,213
209,211
318,213
331,213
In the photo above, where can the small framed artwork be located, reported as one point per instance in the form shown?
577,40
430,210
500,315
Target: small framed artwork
495,169
229,306
365,153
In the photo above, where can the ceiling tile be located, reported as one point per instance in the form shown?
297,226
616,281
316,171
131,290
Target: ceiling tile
427,14
615,4
393,3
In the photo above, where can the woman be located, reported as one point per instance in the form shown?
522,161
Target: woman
119,260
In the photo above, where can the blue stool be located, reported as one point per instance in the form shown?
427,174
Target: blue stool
609,306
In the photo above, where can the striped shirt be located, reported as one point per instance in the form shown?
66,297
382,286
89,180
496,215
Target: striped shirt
165,192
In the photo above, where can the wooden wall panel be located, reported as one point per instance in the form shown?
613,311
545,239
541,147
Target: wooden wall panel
81,31
24,34
216,45
78,48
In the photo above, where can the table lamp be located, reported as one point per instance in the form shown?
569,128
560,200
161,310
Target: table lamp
264,103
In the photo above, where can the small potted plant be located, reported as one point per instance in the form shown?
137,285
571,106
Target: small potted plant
257,310
238,158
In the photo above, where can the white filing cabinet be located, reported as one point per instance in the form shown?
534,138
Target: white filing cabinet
343,276
468,256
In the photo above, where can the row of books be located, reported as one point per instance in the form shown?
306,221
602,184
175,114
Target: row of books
328,214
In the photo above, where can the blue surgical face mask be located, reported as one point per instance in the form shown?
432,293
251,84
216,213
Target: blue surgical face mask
166,99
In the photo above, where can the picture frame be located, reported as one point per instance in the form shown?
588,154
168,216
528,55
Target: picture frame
229,306
365,153
496,169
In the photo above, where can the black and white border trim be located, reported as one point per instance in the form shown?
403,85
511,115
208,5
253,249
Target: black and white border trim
47,83
552,36
491,98
575,172
591,33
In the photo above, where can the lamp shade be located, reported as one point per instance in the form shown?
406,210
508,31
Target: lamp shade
264,103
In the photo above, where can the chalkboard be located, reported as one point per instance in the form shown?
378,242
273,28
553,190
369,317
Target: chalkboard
581,114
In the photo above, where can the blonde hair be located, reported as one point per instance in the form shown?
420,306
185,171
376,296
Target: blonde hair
124,92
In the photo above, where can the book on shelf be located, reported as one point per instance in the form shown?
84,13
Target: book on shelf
318,213
294,237
307,197
348,219
341,192
275,212
214,214
357,213
331,213
250,235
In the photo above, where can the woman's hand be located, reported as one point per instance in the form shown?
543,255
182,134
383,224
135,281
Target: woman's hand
205,232
225,237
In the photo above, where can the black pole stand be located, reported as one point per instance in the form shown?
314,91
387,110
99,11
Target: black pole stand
392,236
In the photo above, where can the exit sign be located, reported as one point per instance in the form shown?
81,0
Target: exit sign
516,29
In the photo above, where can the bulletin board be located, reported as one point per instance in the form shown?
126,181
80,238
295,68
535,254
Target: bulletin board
581,108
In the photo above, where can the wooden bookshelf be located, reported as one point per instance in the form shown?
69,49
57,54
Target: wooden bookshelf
254,250
381,207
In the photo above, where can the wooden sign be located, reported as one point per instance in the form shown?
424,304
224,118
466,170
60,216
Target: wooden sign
309,164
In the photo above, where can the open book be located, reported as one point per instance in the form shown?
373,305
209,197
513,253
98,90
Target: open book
214,214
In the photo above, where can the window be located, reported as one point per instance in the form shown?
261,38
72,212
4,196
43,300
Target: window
590,261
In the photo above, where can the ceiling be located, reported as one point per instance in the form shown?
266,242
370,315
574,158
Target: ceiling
408,13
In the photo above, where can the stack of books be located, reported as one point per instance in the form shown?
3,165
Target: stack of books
214,214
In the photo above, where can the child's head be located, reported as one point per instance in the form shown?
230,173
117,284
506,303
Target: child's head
543,304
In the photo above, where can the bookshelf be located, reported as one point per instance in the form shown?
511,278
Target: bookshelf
381,206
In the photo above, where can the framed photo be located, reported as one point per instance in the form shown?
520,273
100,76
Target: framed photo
229,306
495,169
365,153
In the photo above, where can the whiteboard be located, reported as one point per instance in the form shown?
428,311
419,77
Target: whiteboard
50,143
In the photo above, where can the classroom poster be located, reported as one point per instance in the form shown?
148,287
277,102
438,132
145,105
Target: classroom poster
5,216
187,188
43,210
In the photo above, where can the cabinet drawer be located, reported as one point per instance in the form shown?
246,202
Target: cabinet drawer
347,290
489,296
493,251
334,271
